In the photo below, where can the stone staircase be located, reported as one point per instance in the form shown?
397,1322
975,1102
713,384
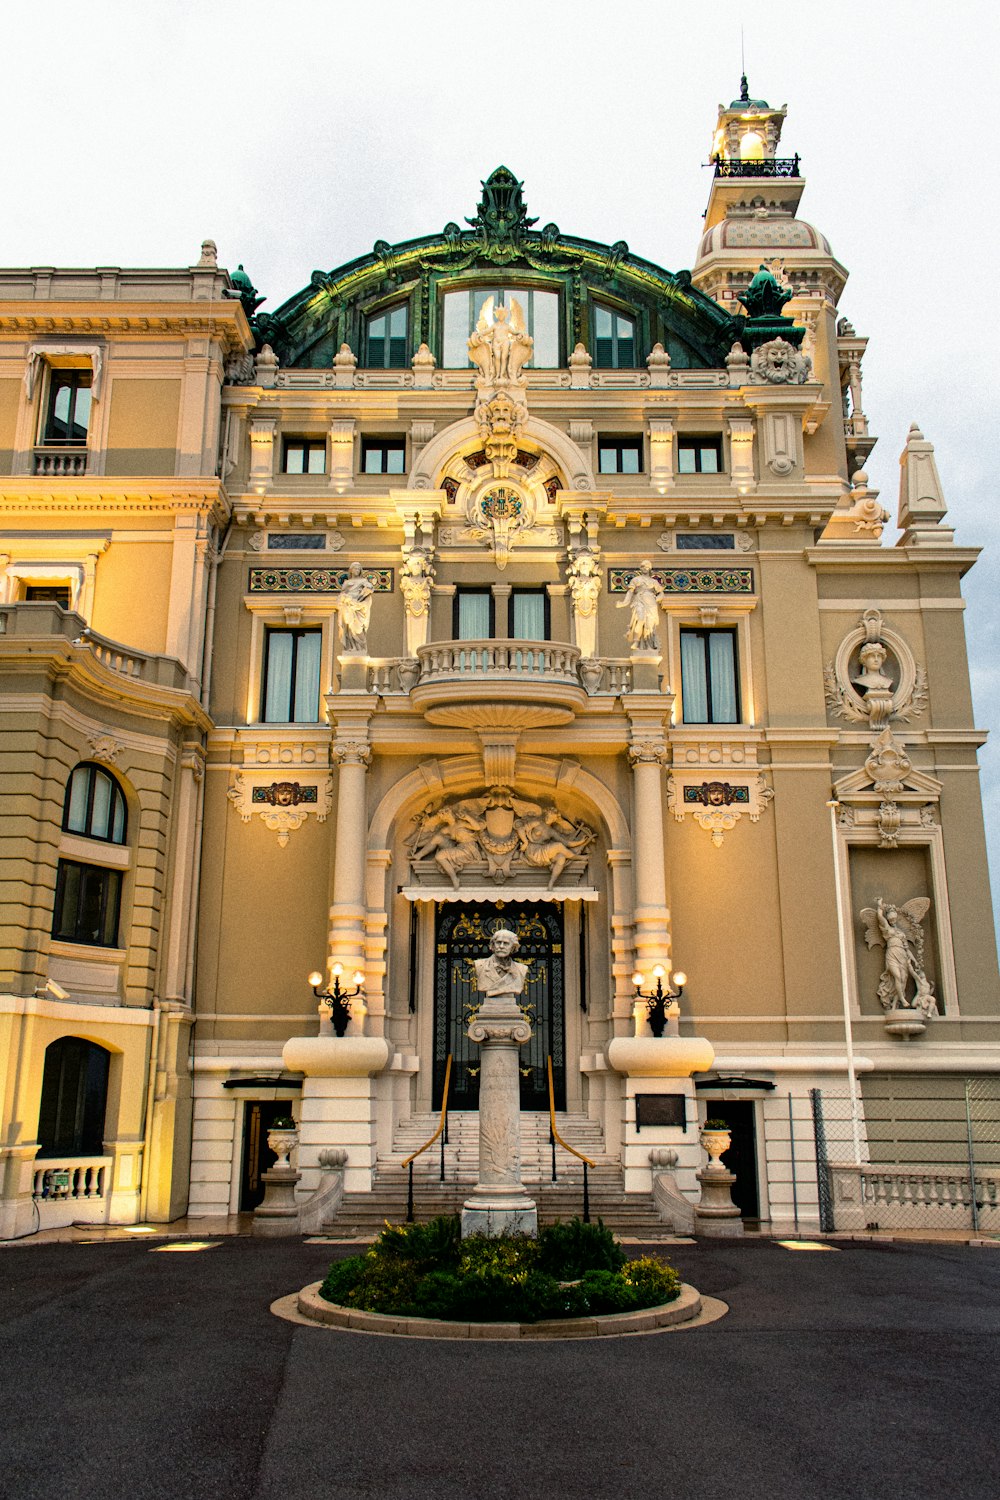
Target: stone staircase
363,1214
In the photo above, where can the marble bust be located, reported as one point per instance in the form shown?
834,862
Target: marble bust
500,977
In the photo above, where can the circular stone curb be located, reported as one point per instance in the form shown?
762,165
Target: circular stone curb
315,1309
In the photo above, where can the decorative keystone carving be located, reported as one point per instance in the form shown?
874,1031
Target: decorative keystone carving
105,748
888,765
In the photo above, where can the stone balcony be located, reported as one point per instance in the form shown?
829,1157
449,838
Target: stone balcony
457,674
24,624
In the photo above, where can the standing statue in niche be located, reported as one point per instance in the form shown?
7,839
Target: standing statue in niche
644,598
356,609
898,930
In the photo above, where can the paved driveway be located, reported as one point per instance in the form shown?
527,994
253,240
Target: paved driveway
867,1372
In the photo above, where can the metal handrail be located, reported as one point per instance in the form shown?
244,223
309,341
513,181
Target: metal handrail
556,1139
442,1131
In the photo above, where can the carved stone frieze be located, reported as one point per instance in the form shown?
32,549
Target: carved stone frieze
499,834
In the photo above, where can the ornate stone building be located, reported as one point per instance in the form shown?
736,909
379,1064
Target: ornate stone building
499,577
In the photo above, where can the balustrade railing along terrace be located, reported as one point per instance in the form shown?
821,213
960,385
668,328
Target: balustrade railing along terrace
60,461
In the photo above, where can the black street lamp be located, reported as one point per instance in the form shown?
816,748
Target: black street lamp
338,1000
658,1001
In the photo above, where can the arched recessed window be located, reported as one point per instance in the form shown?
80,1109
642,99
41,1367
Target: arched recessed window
74,1098
751,147
95,805
463,308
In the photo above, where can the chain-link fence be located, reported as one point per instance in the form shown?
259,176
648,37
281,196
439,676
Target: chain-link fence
915,1151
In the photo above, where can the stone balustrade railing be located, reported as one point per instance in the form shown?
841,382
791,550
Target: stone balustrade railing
76,1177
60,461
538,660
45,619
912,1196
128,663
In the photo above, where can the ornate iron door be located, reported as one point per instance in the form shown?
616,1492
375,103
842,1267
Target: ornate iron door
463,934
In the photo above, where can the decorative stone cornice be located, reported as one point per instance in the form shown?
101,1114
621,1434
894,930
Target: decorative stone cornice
223,321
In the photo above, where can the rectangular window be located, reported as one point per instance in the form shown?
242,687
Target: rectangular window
386,342
461,314
47,593
383,455
699,456
614,339
709,679
88,901
474,617
291,676
67,416
619,455
529,615
705,541
305,456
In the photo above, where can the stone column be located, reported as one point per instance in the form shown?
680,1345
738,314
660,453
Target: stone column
652,939
347,909
499,1203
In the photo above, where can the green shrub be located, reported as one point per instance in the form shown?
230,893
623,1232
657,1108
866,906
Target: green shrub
609,1292
568,1251
428,1270
652,1280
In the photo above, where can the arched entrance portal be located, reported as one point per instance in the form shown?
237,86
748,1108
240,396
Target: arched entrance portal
462,934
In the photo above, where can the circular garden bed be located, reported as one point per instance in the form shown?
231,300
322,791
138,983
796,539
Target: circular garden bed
425,1280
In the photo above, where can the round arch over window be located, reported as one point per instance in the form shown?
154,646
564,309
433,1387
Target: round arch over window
95,805
74,1098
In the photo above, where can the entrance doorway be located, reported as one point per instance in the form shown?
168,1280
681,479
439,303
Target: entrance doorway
741,1158
463,934
258,1117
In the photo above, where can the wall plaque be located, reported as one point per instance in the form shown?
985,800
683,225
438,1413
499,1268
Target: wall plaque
660,1109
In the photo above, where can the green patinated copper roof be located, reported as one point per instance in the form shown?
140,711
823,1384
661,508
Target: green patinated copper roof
500,238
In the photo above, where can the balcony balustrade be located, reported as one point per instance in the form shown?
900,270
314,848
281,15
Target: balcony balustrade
72,1190
60,462
766,166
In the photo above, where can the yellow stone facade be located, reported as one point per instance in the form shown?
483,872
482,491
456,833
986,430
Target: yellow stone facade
175,571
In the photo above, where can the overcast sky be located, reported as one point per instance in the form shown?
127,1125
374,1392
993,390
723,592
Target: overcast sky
297,134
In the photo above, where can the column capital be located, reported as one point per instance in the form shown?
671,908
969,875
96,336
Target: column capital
648,752
352,753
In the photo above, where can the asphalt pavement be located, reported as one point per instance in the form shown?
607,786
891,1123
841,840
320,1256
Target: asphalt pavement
870,1371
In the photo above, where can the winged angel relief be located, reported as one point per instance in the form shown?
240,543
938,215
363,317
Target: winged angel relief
898,930
498,830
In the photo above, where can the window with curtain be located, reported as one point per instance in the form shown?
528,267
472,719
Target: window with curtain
291,676
94,805
461,314
529,615
709,679
473,615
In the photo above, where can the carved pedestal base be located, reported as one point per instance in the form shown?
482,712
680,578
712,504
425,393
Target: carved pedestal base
905,1022
717,1214
278,1214
498,1203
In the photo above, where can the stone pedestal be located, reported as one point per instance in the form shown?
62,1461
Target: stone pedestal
717,1214
278,1214
498,1203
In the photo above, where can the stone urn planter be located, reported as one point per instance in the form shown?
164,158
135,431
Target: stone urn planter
716,1139
282,1137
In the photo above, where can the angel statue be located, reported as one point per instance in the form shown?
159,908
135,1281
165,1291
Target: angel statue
549,841
898,930
450,835
644,597
501,345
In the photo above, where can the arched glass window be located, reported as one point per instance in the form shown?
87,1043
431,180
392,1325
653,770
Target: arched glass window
95,805
74,1098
